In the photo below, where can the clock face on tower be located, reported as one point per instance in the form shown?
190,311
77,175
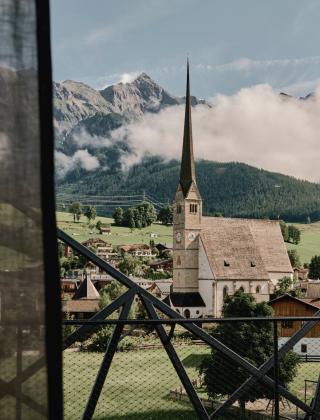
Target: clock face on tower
178,237
191,236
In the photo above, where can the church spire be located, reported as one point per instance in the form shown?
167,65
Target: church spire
187,172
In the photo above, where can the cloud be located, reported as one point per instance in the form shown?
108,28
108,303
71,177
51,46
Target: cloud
245,64
255,126
84,139
65,164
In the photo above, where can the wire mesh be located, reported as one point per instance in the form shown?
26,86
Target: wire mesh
142,382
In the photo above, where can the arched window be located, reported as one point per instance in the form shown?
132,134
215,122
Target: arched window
225,292
242,289
197,312
258,289
178,311
186,313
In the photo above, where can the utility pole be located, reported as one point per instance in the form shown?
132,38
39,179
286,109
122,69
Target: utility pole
144,196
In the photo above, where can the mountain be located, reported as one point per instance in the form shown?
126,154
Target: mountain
233,189
74,101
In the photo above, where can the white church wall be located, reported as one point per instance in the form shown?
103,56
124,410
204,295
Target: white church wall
194,312
206,292
205,271
274,277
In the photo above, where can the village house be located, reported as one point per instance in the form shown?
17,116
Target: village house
215,256
93,269
104,231
68,286
64,248
301,273
164,247
162,265
138,250
163,288
96,242
84,302
153,235
293,306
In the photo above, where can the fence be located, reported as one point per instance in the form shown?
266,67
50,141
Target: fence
246,372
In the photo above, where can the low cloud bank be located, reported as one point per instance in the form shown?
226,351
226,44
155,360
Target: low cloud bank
65,164
256,126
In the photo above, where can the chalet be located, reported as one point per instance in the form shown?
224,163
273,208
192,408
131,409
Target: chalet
138,250
83,303
93,269
153,235
104,231
301,273
96,242
162,265
68,287
164,247
292,306
163,288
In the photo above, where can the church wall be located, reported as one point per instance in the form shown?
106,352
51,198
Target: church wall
205,271
207,293
193,311
277,276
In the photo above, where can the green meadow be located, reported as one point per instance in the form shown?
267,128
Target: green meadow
310,241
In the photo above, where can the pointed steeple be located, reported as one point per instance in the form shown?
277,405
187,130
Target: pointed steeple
187,172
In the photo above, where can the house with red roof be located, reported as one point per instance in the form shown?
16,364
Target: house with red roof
138,250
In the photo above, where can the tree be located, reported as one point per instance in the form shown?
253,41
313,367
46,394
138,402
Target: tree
130,218
265,218
294,258
314,267
91,213
118,216
98,224
308,220
63,207
76,210
129,265
165,255
66,297
284,285
218,215
151,243
166,215
68,329
284,230
252,341
146,213
294,234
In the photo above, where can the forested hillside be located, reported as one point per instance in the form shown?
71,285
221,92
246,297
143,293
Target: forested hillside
233,189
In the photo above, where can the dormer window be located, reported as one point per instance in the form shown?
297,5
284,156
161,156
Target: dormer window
193,208
252,264
226,264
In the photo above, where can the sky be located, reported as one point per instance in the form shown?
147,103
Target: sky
231,44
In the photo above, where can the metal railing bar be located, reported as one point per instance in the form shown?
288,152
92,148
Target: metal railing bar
186,321
176,362
107,360
276,370
134,326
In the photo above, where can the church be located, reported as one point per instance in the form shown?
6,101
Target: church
215,256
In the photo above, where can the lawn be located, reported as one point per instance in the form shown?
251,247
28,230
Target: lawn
310,241
120,235
137,387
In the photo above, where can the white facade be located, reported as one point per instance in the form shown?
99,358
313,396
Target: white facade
313,345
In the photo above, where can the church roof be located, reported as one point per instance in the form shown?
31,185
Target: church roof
183,300
86,291
244,249
187,172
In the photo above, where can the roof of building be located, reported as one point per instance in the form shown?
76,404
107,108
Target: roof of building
164,286
94,240
314,302
313,289
135,246
185,300
86,291
106,229
165,245
160,261
81,305
244,249
301,270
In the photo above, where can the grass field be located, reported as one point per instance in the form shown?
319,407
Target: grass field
310,241
309,245
137,387
119,236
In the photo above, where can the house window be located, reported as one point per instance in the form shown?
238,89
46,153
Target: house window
197,312
193,208
178,209
242,289
226,264
187,313
80,315
72,286
178,311
303,348
303,323
286,324
258,289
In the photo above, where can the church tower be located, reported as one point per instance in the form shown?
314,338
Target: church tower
187,215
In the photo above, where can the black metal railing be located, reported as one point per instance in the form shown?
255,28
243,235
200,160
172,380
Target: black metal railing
244,369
